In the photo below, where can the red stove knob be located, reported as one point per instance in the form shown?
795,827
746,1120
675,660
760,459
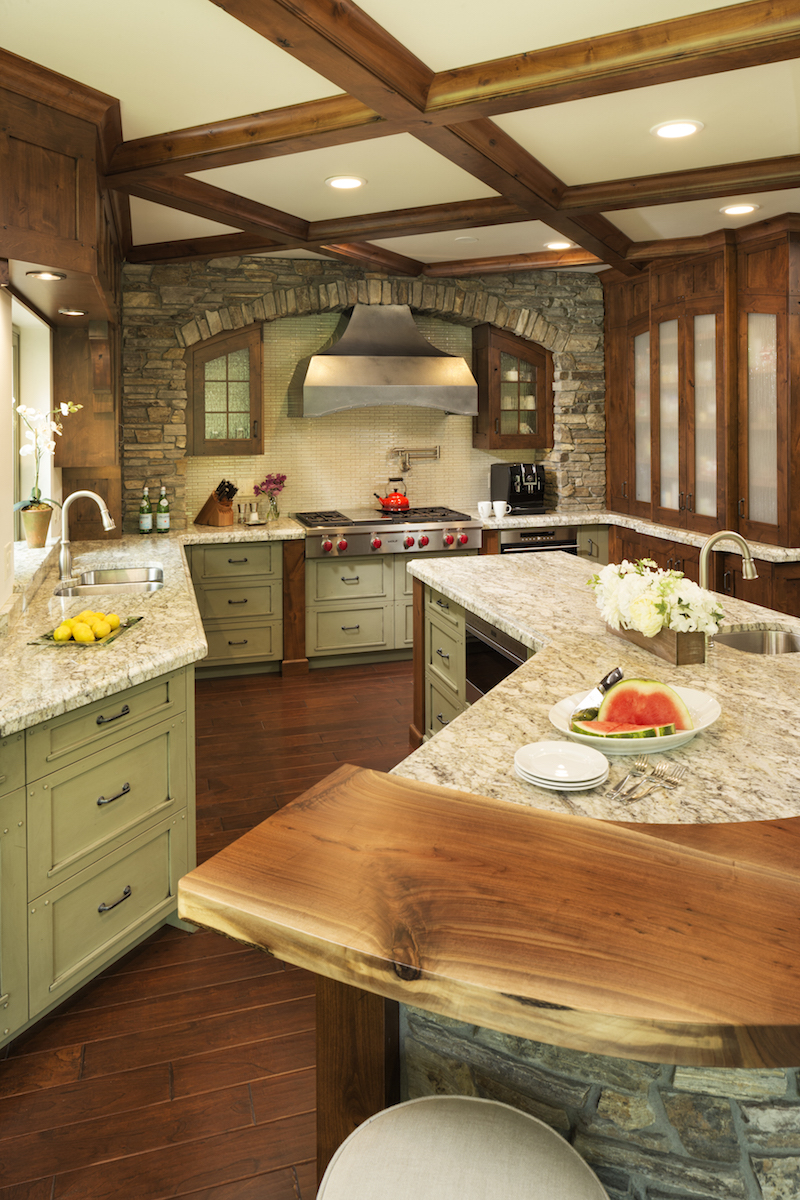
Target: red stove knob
408,542
462,539
448,539
327,545
423,541
341,545
376,543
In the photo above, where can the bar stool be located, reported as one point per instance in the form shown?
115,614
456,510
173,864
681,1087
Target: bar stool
457,1148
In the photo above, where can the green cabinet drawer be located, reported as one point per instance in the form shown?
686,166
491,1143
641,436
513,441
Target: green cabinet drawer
229,601
333,580
445,657
84,922
237,559
244,641
12,763
82,811
339,631
13,915
75,734
444,609
441,706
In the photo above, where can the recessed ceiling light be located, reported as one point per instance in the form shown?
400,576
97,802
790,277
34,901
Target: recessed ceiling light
345,182
739,210
46,276
676,129
465,239
72,312
558,245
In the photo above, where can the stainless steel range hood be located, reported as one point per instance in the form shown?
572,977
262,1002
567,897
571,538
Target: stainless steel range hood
382,358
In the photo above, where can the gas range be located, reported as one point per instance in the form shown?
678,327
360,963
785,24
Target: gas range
376,531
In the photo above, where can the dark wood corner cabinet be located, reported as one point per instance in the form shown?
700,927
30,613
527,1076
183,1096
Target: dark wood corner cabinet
515,391
702,371
223,377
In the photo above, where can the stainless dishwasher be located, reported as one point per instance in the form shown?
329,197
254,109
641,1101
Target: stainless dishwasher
491,656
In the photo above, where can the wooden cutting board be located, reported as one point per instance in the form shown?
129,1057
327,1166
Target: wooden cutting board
667,943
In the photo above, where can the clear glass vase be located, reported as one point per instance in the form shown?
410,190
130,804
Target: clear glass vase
272,511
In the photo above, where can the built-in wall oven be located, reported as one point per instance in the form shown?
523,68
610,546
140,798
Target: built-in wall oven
516,541
491,656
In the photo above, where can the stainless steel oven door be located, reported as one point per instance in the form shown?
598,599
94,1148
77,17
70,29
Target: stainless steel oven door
516,541
491,656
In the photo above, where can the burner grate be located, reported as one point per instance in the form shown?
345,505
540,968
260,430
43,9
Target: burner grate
330,516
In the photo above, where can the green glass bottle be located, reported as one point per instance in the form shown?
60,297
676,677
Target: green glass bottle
162,512
146,513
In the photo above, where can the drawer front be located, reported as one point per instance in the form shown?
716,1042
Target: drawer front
81,924
237,559
336,579
340,631
403,582
444,609
441,706
71,737
226,602
85,810
13,915
445,657
244,641
12,763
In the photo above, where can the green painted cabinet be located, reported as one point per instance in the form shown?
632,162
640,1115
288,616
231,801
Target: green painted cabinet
13,834
239,590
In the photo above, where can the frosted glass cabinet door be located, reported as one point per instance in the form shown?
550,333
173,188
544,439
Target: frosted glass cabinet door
669,407
762,418
704,500
641,416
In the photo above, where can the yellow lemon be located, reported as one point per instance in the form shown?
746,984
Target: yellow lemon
100,629
69,622
82,633
86,616
62,634
99,616
113,620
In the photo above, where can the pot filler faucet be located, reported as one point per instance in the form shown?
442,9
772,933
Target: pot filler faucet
748,566
65,554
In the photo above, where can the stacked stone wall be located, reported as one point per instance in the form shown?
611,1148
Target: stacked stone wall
650,1131
166,309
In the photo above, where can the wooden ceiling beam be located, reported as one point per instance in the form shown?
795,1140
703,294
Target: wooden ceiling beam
550,260
724,39
673,187
189,249
215,204
427,218
375,257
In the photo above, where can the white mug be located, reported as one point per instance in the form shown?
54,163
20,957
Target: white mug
484,509
500,509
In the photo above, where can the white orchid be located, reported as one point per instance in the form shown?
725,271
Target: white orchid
640,596
39,433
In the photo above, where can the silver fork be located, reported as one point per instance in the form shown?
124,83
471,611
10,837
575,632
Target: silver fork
641,766
663,775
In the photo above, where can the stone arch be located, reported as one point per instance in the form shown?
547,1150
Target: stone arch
473,306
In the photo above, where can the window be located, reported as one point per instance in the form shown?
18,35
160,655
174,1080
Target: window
224,384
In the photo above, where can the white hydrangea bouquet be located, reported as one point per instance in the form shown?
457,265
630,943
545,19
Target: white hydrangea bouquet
642,597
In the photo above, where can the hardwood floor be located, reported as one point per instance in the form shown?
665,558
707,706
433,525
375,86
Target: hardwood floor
187,1069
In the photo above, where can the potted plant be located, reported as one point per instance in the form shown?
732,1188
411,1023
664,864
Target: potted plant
40,434
271,487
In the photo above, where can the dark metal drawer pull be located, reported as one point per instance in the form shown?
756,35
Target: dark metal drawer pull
441,653
349,579
123,712
349,628
441,719
243,643
108,907
238,601
442,604
237,560
101,800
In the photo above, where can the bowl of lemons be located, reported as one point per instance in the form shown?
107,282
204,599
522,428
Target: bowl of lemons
88,629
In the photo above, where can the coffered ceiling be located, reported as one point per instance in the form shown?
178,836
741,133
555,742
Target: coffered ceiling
483,130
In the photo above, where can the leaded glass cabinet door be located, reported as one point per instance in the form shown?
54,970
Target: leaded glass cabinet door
225,402
515,391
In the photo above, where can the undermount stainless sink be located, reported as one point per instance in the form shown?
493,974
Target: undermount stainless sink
760,641
113,581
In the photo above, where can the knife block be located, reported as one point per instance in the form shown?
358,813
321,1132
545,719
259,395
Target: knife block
215,512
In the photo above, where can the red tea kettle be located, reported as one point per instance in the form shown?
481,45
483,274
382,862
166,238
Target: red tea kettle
396,501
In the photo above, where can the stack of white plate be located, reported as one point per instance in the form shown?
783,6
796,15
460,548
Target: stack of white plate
561,766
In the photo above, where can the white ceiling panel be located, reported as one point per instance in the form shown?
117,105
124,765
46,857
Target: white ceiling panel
748,114
526,237
155,223
455,33
702,216
400,173
171,63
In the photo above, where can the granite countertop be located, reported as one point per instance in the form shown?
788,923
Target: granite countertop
39,682
744,767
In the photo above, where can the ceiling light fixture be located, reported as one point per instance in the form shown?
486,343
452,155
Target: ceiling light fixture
46,276
739,210
558,245
345,182
72,312
676,129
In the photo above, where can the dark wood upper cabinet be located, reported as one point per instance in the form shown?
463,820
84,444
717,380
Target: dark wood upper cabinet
223,377
515,391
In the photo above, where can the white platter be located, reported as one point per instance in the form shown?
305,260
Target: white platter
551,785
703,709
560,763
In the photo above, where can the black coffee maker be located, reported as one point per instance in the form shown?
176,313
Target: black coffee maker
521,485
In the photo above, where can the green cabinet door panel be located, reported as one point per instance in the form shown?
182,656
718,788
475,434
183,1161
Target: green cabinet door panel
13,915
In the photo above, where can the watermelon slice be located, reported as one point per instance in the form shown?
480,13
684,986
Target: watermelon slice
644,702
619,729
